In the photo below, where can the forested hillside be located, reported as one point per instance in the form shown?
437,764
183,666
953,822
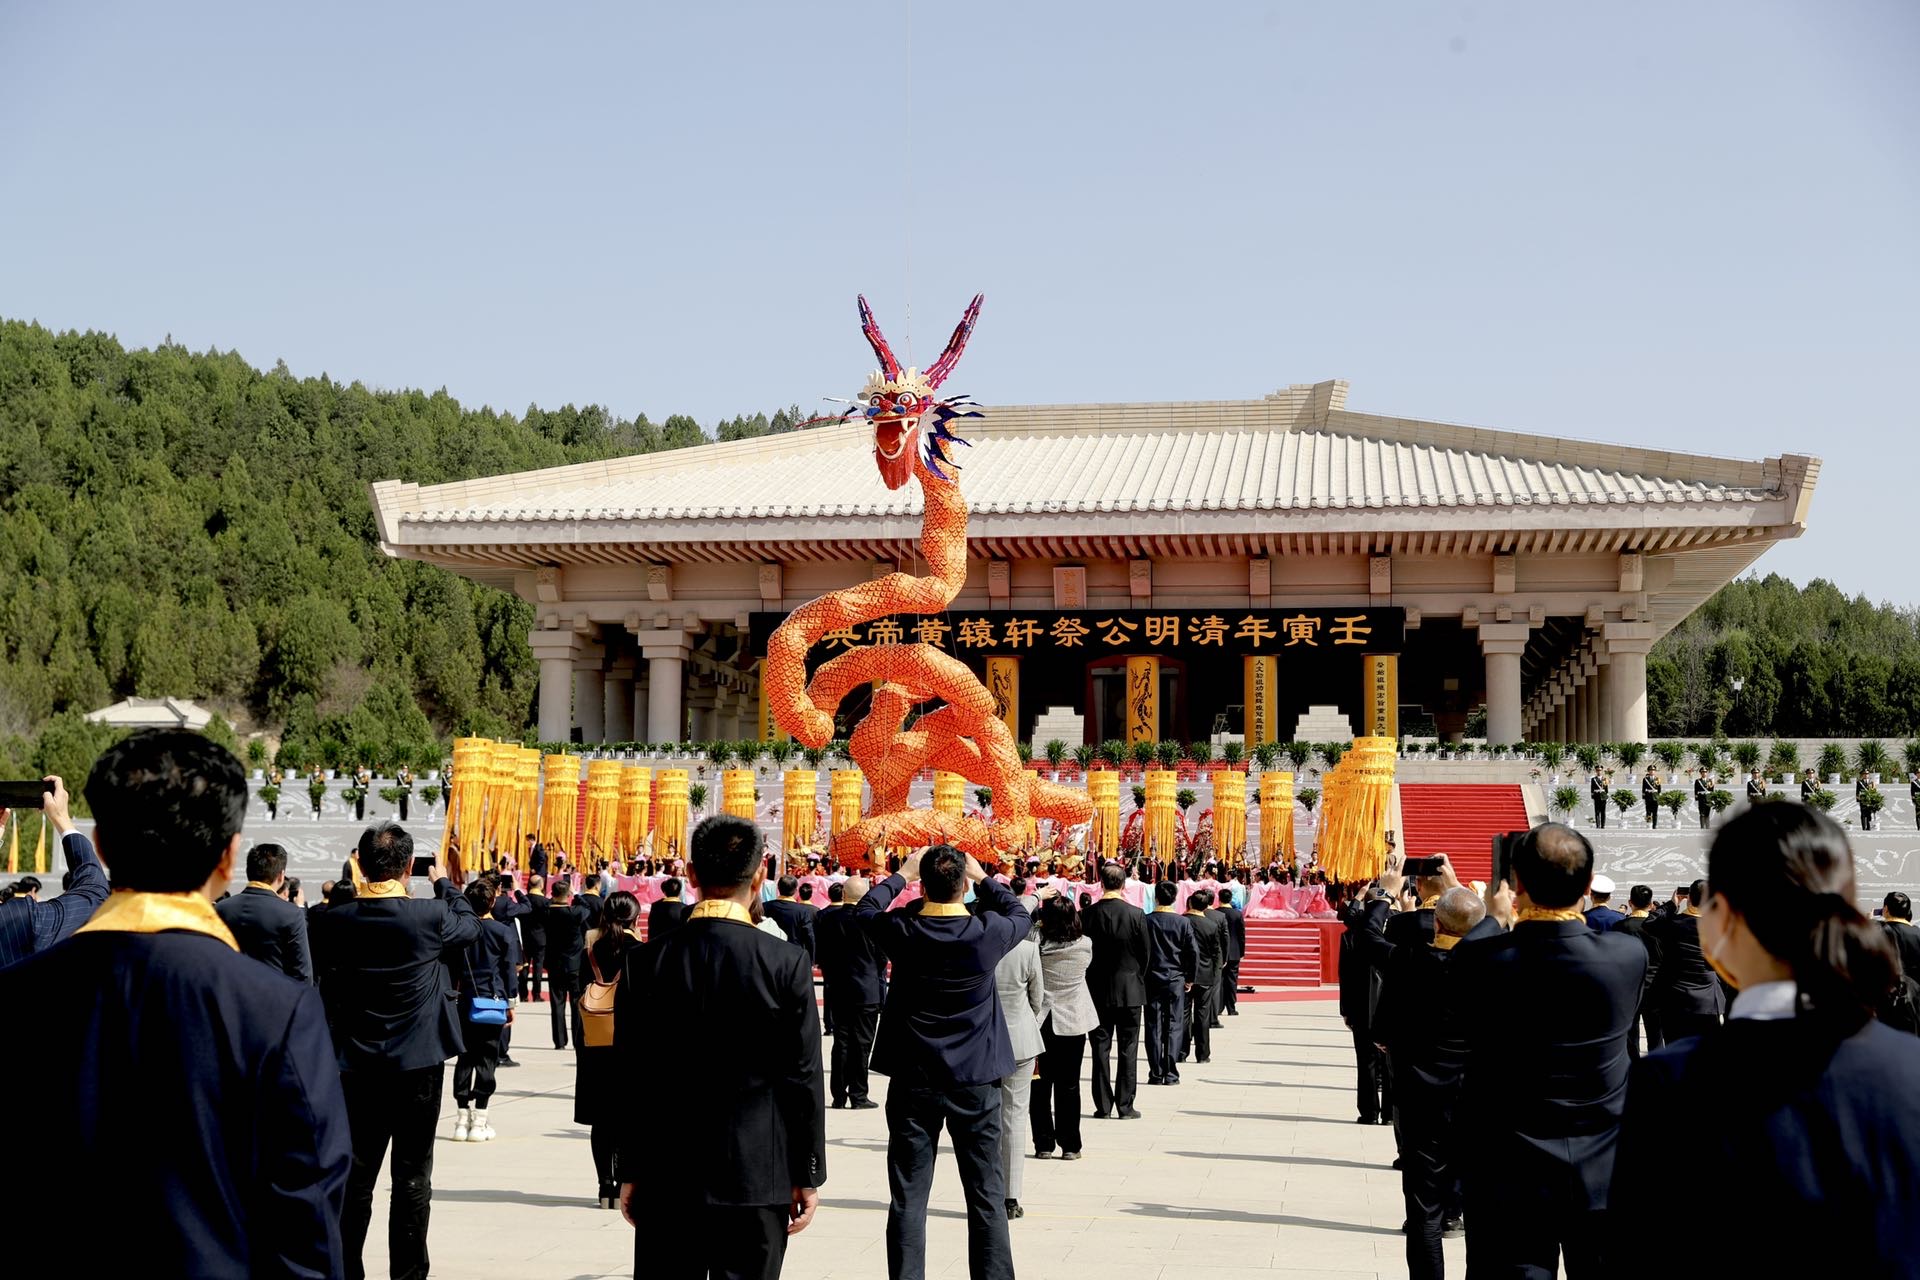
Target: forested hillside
1811,661
185,524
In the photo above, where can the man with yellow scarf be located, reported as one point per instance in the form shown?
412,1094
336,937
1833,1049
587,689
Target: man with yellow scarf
194,1088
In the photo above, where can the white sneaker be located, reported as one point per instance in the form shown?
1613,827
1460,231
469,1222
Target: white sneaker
480,1131
462,1123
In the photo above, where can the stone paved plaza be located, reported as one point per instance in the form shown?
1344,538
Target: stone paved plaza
1252,1167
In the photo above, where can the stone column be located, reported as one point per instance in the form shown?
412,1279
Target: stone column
1503,643
700,702
1590,706
619,706
1627,646
555,651
589,697
1603,703
666,676
639,709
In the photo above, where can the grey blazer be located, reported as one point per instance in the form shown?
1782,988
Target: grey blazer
1069,1000
1023,995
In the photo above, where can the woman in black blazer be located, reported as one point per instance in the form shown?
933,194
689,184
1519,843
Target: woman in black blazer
598,1098
1790,1136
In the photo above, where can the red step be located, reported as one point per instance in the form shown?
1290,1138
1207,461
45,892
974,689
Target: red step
1281,954
1459,820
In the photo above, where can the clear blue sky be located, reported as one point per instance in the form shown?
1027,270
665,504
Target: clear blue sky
1692,226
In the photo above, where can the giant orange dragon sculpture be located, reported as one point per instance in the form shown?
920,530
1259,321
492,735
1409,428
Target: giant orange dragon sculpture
965,735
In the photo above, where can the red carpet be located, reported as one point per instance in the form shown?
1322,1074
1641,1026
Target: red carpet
1459,820
1282,953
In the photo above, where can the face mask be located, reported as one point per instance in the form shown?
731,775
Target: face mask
1713,958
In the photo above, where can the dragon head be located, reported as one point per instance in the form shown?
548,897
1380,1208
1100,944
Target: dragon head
894,402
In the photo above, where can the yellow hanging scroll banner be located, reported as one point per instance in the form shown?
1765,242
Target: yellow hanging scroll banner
800,818
1276,818
1143,700
636,810
737,793
1103,839
603,811
1261,680
1357,795
559,803
844,800
670,822
1161,820
1229,815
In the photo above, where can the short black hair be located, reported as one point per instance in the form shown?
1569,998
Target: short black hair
1199,899
342,893
1697,893
166,805
1640,897
806,893
386,851
726,849
942,869
266,863
1226,896
1113,877
1898,905
562,890
480,893
671,886
1554,864
787,886
836,892
1165,892
1017,886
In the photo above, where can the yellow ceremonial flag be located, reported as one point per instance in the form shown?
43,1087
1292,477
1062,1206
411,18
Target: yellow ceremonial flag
1162,844
670,817
844,797
1276,818
949,793
1261,678
1143,700
800,815
1003,682
1229,814
1103,788
738,794
1382,695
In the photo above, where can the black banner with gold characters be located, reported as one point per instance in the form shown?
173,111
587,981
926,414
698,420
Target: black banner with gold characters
1188,633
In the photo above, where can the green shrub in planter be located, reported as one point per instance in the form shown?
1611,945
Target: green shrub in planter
1717,801
1783,759
1673,802
1564,799
1623,800
1871,757
1588,754
1307,797
1056,751
1083,756
1299,753
1630,754
1139,796
1232,753
1670,754
1824,800
983,796
1871,802
1747,756
1833,760
1912,754
1551,754
1167,752
1268,754
1201,753
1143,753
1185,797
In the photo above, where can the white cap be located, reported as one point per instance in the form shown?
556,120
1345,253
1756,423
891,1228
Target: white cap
1603,884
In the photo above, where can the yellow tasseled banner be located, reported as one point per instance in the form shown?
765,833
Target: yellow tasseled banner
526,801
799,816
636,810
738,793
1276,818
1103,788
1356,796
670,814
467,797
603,811
1229,814
1161,815
503,779
13,843
559,802
949,793
844,798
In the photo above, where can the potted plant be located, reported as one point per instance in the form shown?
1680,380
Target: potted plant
1871,758
1630,754
814,756
1623,802
1718,800
1056,753
697,797
270,797
1588,754
1783,760
1232,753
1747,756
1563,799
781,751
1833,762
1201,753
1673,802
1139,796
1871,802
1823,800
1142,753
1112,753
1185,797
1025,751
1083,755
1551,754
1332,751
1267,754
1912,754
1671,754
430,796
983,796
1306,798
397,797
316,791
1298,753
1167,753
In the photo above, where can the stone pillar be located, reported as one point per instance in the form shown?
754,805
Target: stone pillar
700,721
1590,707
1603,703
1503,643
1627,646
666,677
1578,730
640,726
619,705
555,651
589,698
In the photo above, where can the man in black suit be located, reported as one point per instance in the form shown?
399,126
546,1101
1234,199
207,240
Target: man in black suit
1650,797
1547,1009
1236,922
794,917
536,860
731,1169
944,1044
1598,793
1210,956
267,926
533,936
855,974
1687,993
1638,924
1415,928
1420,1027
567,925
384,978
1703,796
1171,963
668,914
1117,978
192,1088
1363,950
27,924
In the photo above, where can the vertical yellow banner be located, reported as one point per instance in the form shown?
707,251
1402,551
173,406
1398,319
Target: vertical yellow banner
1382,695
1262,695
1003,682
1143,699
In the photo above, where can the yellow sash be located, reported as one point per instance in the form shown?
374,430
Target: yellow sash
720,909
942,908
1446,941
1555,915
130,911
384,889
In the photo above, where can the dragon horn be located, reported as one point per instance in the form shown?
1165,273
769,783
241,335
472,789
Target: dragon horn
878,341
956,344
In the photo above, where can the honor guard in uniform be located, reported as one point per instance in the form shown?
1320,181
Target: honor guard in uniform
1597,787
1650,796
1703,796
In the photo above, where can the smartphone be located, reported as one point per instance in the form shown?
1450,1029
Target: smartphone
1503,858
422,863
1424,866
25,795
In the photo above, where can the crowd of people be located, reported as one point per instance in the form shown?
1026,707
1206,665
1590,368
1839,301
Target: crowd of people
1564,1077
239,1068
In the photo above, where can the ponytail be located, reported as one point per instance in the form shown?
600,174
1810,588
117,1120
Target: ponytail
1788,871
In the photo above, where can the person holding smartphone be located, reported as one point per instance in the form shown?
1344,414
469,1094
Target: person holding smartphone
27,924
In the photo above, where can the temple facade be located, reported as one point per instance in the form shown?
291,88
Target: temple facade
1184,571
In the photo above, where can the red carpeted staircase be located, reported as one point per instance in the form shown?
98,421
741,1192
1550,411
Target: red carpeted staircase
1459,820
1280,954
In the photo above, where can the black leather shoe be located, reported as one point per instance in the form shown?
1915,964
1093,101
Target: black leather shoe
1014,1210
508,1062
1453,1229
1128,1113
864,1104
1099,1115
839,1104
